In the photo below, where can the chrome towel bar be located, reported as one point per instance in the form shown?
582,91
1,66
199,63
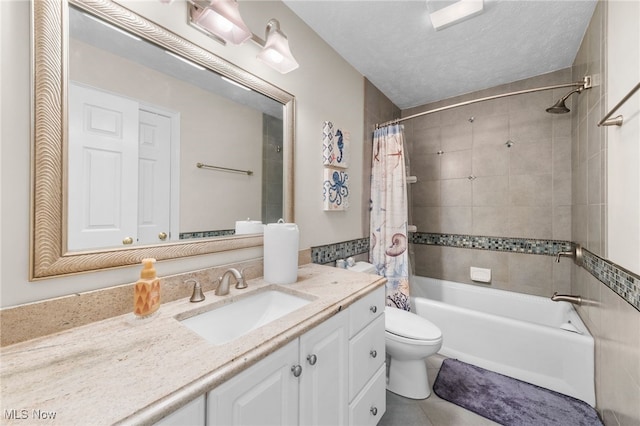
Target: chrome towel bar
617,121
224,169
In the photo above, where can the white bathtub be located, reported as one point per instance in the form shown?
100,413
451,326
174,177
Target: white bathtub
514,334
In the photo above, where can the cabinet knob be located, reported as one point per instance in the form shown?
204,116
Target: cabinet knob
373,353
373,309
312,359
162,236
374,411
296,370
127,240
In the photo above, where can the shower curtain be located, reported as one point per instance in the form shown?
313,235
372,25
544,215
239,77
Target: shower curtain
389,214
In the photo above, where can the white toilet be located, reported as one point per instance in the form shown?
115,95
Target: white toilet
409,339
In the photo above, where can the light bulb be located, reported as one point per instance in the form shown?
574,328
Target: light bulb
222,23
274,56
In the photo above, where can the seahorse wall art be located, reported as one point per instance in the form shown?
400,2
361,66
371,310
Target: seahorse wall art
335,145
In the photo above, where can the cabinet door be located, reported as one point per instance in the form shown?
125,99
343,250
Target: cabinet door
263,394
191,414
323,383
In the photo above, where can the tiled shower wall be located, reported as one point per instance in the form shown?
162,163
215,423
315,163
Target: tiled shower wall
499,168
614,323
272,153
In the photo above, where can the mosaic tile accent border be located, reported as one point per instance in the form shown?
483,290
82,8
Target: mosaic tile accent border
207,234
332,252
626,284
512,245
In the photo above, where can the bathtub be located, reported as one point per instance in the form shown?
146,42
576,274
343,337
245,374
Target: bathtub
527,337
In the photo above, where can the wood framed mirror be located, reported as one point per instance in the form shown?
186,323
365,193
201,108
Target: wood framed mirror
50,251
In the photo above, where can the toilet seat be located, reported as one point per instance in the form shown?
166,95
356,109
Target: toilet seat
405,326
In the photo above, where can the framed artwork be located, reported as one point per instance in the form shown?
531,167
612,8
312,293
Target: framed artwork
335,193
335,145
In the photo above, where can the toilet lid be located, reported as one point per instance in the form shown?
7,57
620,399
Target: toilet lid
409,325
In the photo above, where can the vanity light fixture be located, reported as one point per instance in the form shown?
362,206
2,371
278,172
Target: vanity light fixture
221,20
453,12
276,52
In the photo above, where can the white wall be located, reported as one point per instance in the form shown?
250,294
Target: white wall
325,86
623,47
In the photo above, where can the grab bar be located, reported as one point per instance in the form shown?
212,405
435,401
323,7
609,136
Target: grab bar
576,300
225,169
617,121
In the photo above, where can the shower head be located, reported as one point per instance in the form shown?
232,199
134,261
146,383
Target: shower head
560,107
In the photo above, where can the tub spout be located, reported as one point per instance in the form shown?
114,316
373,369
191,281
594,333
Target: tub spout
576,300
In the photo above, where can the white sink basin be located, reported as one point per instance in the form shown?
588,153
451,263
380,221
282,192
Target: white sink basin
228,322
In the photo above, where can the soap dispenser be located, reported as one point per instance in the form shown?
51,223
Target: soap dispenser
146,297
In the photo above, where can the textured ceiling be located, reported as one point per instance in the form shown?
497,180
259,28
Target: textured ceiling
394,45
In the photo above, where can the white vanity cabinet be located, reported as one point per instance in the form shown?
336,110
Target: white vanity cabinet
333,374
304,382
367,367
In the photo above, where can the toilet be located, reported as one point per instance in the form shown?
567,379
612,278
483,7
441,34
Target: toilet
409,339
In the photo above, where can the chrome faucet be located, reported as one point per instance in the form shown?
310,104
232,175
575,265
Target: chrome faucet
223,287
576,300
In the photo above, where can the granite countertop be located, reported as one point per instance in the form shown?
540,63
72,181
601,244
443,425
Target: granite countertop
130,371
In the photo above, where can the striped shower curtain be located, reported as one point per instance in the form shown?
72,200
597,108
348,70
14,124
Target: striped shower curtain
389,214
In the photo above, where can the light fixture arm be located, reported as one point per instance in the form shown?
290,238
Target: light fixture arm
273,23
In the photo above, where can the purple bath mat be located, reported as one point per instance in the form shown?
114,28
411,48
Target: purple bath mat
509,401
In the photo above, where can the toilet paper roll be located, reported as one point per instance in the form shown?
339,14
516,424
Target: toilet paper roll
249,227
281,242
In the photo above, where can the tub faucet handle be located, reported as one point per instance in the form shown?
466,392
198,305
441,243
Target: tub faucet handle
564,254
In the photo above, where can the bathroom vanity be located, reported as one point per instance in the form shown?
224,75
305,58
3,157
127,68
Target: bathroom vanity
322,363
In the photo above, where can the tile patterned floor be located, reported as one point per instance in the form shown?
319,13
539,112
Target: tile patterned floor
432,411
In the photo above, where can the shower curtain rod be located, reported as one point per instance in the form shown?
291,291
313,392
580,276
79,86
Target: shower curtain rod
586,83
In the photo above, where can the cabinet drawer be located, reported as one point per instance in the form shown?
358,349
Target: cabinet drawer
366,310
366,355
371,404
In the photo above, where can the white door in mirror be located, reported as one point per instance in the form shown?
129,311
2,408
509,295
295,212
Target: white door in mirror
119,171
154,195
103,171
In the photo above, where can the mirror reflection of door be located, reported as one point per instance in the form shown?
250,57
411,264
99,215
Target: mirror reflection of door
119,175
154,177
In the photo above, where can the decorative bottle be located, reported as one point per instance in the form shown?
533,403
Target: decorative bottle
146,297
